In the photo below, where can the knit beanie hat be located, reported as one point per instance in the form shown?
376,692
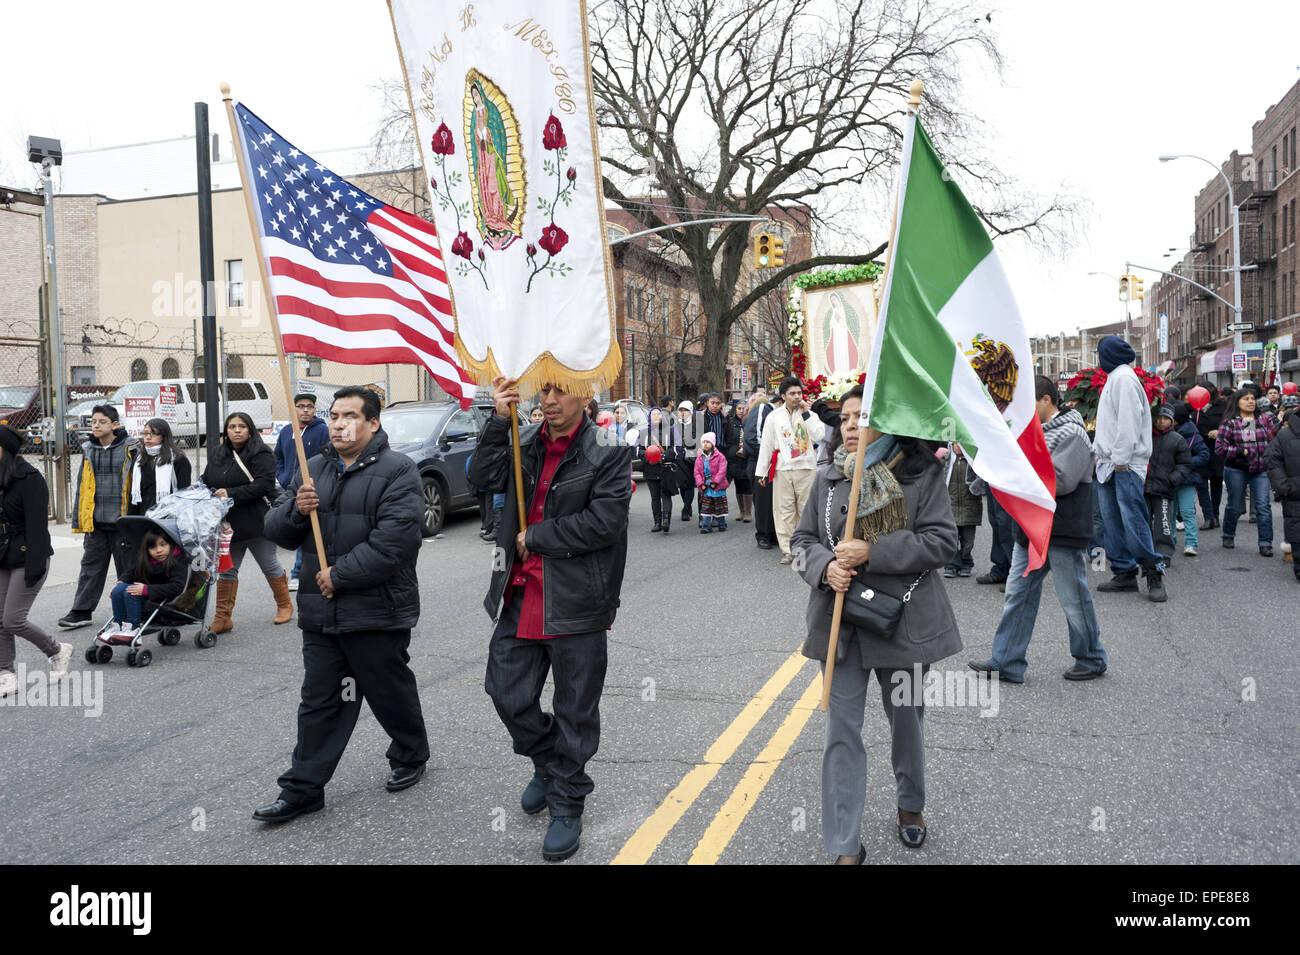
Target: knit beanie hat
710,437
10,440
1113,351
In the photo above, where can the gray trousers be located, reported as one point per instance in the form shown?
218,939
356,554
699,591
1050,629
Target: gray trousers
98,548
264,552
844,761
16,599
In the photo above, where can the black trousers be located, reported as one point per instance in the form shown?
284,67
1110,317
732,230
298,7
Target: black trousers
560,744
98,548
661,501
339,672
1003,537
764,523
964,559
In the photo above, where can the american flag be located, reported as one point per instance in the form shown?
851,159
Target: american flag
354,280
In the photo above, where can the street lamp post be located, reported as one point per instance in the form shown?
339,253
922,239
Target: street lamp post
1236,244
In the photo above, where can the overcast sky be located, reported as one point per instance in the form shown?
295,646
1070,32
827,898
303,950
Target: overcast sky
1091,95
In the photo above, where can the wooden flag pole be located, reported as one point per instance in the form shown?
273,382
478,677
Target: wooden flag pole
913,104
275,321
519,465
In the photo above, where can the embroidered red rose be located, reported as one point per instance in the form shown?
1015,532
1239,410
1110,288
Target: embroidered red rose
552,135
531,250
553,239
462,245
572,174
442,144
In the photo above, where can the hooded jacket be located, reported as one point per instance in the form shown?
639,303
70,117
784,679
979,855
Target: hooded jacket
1067,440
370,516
119,457
1170,465
1200,450
1123,431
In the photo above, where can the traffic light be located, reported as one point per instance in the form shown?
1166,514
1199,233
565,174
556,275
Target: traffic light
762,250
1123,288
1137,285
778,253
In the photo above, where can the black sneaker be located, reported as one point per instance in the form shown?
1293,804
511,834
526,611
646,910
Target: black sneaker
990,578
1265,550
1120,582
1156,587
73,620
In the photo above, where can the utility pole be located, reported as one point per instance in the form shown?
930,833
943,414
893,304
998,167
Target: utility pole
49,153
212,410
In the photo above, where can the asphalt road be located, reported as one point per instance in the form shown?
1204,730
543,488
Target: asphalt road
1162,760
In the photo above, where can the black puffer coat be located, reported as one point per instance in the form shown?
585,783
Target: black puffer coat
1283,462
250,497
370,517
667,471
1171,462
1206,420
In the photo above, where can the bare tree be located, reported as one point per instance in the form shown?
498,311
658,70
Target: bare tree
394,151
736,106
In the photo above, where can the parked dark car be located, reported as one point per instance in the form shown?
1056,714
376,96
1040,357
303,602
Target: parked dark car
439,437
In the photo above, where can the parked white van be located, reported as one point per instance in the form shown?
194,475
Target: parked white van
139,401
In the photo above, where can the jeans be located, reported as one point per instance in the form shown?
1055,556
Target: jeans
963,560
1020,611
100,546
1127,524
127,608
1236,481
1003,538
1186,501
1210,492
297,565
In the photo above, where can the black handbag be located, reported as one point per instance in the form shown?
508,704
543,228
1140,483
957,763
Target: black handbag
868,609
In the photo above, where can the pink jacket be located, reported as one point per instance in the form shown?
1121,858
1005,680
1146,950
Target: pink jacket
717,470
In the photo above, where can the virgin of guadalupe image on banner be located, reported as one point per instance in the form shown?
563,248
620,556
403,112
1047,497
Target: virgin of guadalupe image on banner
839,326
501,95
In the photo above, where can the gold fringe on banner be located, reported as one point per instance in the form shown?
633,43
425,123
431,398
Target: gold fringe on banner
547,369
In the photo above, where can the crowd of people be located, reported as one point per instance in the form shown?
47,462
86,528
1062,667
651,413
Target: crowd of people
1126,486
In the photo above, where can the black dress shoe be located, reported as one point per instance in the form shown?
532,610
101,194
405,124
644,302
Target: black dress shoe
764,545
656,528
1081,672
404,778
282,810
988,668
862,857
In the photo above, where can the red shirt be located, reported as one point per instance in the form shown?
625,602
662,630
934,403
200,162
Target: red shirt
532,615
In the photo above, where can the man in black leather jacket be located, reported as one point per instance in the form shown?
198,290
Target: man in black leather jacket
357,613
560,579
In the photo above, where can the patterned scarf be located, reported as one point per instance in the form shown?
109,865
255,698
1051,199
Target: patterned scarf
881,508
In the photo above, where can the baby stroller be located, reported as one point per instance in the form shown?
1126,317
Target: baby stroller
191,518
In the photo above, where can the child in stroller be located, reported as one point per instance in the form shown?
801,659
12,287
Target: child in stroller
159,575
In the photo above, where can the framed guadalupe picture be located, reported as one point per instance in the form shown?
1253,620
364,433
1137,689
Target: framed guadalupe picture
832,327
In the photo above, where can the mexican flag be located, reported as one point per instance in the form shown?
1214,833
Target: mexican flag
951,359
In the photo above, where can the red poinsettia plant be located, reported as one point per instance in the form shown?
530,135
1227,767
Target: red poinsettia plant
1085,390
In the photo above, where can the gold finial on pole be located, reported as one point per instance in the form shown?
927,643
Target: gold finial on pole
225,91
914,102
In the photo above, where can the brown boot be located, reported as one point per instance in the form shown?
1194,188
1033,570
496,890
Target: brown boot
746,507
225,606
283,603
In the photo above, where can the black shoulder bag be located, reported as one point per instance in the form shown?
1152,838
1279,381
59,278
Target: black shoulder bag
870,610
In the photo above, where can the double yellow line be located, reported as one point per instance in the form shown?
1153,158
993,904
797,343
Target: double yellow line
653,831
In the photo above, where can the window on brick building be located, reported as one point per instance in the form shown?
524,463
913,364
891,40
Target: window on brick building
665,315
139,370
83,375
171,368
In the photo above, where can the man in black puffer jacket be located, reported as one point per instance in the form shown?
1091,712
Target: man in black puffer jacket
1067,440
356,614
560,579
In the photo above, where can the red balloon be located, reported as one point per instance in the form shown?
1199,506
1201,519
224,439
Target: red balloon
1198,397
605,419
1290,388
654,454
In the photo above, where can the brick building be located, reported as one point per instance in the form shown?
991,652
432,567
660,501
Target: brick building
1266,189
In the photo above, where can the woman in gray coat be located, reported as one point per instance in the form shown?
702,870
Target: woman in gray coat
905,531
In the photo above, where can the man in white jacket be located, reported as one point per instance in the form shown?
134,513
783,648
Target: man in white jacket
1122,447
790,432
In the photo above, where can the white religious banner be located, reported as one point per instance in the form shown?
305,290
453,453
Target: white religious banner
501,94
840,326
